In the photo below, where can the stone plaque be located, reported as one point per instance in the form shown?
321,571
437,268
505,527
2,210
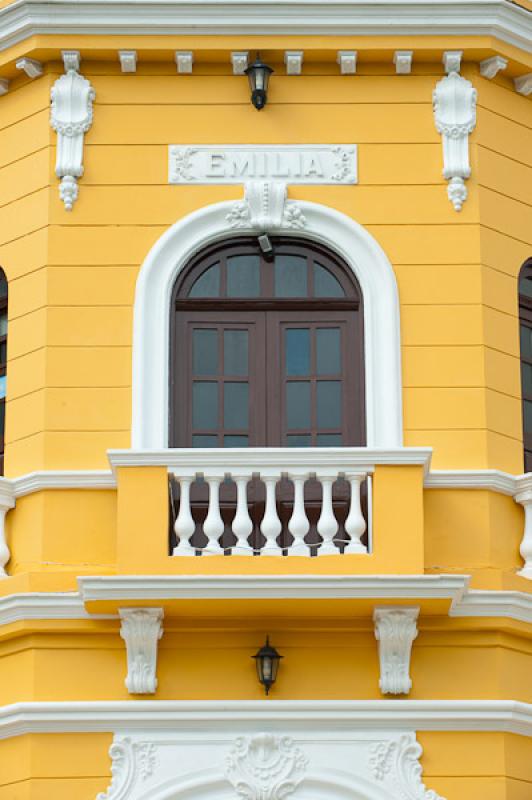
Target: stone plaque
225,164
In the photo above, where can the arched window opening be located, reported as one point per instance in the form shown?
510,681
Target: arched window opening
525,331
267,351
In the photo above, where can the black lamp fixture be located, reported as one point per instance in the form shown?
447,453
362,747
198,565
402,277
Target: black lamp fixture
267,661
258,76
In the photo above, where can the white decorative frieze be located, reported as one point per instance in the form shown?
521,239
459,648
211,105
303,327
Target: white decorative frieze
4,86
403,61
347,59
452,60
491,66
265,208
237,164
71,117
523,84
455,102
128,60
395,630
293,60
239,62
30,66
224,761
265,767
184,60
141,630
7,501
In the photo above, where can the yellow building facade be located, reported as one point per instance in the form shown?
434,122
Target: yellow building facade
384,545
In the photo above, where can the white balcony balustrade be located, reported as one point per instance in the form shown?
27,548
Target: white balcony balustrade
242,505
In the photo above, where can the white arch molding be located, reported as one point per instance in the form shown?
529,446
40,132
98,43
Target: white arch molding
340,233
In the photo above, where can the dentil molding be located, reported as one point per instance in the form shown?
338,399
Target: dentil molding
141,630
454,103
266,765
395,630
71,117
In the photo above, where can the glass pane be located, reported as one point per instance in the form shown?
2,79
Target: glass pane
297,351
329,439
328,351
208,284
3,352
298,440
298,405
243,276
3,323
3,386
290,276
526,341
235,352
526,378
235,441
328,404
3,284
325,284
205,352
236,405
525,286
204,405
204,441
527,416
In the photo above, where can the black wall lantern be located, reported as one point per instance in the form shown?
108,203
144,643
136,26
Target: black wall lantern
258,76
267,661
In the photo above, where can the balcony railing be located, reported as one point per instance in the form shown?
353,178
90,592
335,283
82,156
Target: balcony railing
311,502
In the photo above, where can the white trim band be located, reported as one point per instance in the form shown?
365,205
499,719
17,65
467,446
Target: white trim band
420,715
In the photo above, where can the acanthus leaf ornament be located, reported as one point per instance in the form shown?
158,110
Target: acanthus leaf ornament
265,767
141,630
122,770
454,104
408,771
71,117
395,630
265,208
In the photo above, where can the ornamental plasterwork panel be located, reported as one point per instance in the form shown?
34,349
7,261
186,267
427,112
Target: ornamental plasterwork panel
265,207
219,762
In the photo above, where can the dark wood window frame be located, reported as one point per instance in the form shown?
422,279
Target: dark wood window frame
282,312
525,324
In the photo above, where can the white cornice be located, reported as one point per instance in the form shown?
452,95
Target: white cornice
235,715
491,479
62,479
227,587
44,605
499,18
484,603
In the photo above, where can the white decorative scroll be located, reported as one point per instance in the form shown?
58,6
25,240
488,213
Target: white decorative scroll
524,497
265,767
454,103
395,630
226,761
141,630
71,118
265,208
7,501
236,164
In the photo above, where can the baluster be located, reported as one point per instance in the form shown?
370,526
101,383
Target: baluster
271,524
327,524
355,523
213,527
184,525
242,524
299,524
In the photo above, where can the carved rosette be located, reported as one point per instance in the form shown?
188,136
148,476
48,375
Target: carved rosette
265,208
454,103
141,630
71,117
265,767
395,630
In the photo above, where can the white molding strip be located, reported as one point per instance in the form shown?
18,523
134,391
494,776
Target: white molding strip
493,603
499,18
284,458
227,587
45,605
62,479
490,479
149,715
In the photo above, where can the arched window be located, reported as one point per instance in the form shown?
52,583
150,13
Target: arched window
525,323
3,362
267,350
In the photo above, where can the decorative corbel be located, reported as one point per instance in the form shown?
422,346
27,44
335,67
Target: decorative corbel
239,61
524,497
491,66
403,61
455,103
265,208
7,501
32,68
347,60
141,630
71,118
4,86
523,84
395,630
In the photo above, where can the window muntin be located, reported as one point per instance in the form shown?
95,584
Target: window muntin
525,337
